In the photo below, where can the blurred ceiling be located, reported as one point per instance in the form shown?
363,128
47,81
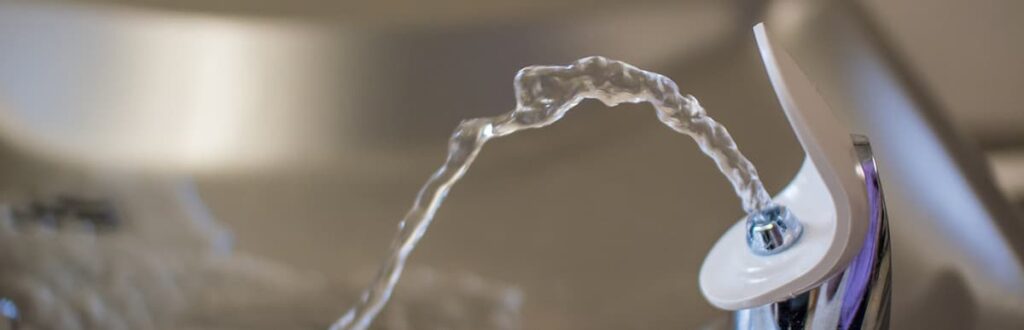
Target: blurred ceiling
204,88
967,54
402,13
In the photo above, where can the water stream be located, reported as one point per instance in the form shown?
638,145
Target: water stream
543,95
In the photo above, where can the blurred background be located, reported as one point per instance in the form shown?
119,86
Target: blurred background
244,164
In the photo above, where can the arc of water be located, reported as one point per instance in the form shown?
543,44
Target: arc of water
543,95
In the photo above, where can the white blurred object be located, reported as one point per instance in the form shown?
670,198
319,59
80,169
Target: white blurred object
123,86
1008,169
133,88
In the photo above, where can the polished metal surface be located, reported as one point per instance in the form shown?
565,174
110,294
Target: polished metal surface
772,230
857,298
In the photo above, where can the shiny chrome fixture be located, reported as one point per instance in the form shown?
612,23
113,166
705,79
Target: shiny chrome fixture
857,298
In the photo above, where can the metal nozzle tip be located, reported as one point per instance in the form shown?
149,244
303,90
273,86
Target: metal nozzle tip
772,230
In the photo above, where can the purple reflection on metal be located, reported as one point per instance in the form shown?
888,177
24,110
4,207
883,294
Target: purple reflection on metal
860,270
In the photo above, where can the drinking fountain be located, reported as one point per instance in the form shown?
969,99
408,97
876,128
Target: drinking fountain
837,274
280,149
